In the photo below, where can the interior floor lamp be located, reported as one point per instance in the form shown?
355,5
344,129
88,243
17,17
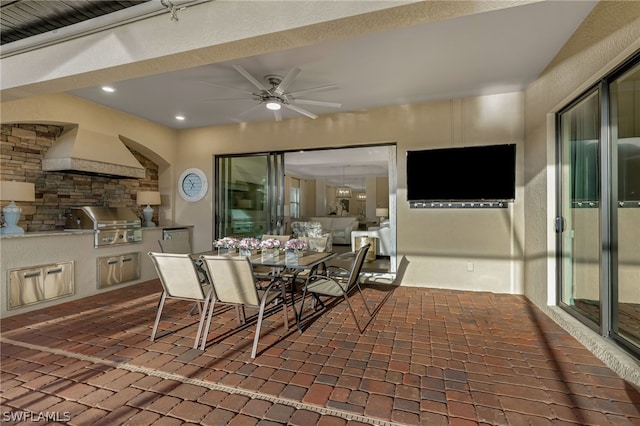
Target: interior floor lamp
150,198
15,191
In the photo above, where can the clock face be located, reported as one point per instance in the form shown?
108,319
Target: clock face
192,185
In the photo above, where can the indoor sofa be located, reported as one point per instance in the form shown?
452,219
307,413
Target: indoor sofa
340,227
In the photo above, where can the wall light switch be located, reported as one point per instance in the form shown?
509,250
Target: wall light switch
470,266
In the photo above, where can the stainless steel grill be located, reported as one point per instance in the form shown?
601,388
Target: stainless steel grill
112,225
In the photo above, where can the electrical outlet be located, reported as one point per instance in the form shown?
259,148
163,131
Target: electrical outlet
470,266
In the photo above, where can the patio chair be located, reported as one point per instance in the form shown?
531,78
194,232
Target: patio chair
182,246
339,284
234,282
180,280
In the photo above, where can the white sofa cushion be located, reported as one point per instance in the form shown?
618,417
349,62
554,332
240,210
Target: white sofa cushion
340,227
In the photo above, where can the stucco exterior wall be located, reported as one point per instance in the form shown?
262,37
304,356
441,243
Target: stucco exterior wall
610,34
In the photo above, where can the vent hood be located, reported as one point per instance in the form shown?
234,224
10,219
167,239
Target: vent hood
85,151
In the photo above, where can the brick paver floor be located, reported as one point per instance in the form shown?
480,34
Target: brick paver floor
429,357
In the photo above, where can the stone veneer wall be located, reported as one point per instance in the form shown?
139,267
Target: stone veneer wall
22,149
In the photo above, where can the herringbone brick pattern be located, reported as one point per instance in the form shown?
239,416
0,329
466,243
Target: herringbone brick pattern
429,357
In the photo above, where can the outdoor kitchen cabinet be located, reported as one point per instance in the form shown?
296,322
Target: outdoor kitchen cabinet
40,283
118,269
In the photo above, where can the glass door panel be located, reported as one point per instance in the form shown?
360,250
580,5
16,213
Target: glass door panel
249,195
625,136
579,217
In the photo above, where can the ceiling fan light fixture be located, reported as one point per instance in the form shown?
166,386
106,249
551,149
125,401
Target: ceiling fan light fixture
273,105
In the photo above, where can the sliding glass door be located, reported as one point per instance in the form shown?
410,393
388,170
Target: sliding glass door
579,221
249,195
598,223
624,109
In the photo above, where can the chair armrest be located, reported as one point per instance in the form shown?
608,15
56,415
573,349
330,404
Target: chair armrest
339,271
311,278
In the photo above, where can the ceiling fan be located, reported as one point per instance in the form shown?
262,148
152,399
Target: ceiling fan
276,96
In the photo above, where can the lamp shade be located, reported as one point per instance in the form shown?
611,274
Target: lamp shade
343,192
382,212
17,191
148,198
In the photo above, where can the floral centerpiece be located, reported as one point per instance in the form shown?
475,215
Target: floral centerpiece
270,247
226,245
295,245
294,248
247,244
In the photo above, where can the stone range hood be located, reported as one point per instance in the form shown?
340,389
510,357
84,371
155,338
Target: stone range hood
80,150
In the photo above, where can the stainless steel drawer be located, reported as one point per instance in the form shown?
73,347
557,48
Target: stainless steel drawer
118,269
39,283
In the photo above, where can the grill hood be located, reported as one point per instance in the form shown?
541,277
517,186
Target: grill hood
88,152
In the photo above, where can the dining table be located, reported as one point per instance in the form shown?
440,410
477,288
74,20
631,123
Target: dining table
282,264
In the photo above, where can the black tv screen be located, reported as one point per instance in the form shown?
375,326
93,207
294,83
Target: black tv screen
474,173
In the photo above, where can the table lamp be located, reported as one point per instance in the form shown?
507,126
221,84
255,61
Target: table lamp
15,191
382,212
149,198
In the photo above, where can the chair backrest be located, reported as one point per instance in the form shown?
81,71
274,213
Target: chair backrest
307,229
357,266
232,279
282,238
175,246
317,244
178,275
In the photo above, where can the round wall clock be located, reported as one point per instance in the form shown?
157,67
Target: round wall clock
192,185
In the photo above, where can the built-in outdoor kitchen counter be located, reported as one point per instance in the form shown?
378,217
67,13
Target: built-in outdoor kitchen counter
62,255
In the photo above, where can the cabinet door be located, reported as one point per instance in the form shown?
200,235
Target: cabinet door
58,280
25,287
130,267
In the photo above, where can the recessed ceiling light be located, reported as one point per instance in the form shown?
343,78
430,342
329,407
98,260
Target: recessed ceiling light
108,89
180,117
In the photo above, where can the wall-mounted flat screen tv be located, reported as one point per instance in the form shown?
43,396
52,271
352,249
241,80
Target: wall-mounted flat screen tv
473,173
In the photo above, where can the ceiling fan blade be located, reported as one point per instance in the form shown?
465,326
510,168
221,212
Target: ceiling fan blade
230,99
277,115
249,77
301,110
251,109
286,81
314,89
228,87
318,103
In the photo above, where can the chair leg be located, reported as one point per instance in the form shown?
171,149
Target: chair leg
203,316
364,300
258,326
242,317
298,315
206,329
284,305
193,308
346,298
158,315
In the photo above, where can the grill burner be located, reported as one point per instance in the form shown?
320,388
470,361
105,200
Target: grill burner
112,225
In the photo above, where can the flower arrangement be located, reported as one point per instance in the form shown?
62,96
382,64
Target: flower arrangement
226,242
295,244
270,243
249,244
